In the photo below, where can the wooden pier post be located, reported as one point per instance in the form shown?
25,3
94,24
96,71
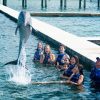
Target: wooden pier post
98,4
5,2
65,3
45,3
84,6
80,4
61,4
41,3
24,3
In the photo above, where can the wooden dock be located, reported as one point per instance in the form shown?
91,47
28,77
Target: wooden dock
63,3
87,51
64,14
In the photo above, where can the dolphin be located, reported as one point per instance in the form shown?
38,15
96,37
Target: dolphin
25,28
24,25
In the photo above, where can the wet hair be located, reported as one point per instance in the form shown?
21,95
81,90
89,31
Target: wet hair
61,45
76,59
80,66
39,43
97,58
47,46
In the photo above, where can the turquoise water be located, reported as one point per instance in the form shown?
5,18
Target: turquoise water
12,91
54,5
80,26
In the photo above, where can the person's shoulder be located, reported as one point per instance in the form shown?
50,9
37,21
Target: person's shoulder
93,69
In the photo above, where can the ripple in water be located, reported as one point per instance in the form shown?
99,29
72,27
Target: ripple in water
20,74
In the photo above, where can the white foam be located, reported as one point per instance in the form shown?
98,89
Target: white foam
20,74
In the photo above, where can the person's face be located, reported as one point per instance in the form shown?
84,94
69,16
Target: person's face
66,59
47,49
72,60
98,64
61,49
39,45
75,70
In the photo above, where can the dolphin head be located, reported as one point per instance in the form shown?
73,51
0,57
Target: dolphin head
24,23
24,18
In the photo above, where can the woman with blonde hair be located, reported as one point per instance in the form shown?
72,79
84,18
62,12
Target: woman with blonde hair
47,57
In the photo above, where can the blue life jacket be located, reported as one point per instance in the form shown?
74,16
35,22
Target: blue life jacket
75,78
59,59
69,72
46,57
38,54
95,75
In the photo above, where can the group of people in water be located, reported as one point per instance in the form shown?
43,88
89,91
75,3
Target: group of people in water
72,69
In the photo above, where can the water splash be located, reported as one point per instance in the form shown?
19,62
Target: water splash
20,74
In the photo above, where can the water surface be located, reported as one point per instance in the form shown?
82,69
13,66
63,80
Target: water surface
54,6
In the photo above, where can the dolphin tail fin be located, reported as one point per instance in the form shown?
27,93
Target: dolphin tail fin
11,62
